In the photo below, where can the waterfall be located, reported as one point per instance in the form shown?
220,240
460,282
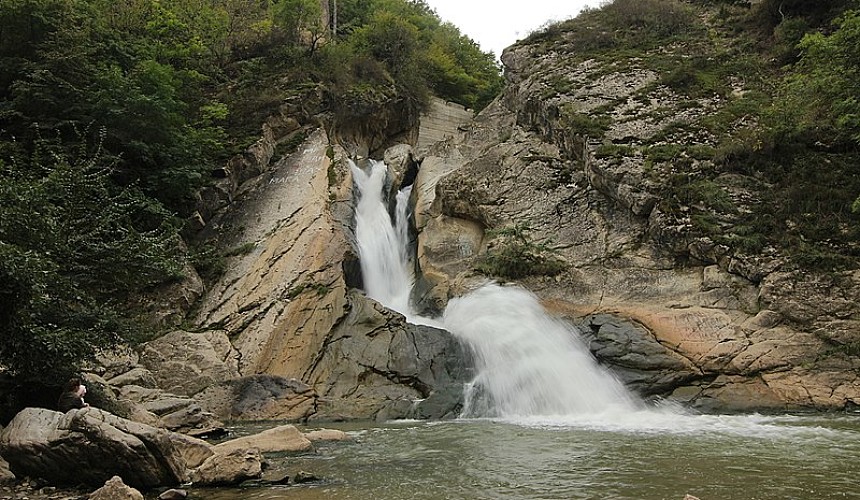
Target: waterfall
527,363
382,243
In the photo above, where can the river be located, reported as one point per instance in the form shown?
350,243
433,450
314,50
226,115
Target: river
749,457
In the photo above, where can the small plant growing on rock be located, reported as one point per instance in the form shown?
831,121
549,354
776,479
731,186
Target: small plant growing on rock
515,255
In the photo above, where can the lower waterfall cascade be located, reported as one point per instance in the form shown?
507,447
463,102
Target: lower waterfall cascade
527,363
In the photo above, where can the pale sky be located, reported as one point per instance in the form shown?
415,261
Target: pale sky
496,24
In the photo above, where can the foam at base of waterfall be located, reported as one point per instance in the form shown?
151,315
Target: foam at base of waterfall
527,362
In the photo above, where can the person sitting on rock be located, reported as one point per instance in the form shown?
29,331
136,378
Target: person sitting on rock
72,396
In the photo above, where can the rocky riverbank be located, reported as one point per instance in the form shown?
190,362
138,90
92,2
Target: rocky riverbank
48,454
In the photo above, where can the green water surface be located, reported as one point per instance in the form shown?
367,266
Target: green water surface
731,457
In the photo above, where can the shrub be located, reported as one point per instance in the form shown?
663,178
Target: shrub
662,18
515,255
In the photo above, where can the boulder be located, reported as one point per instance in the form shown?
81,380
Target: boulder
326,435
305,477
52,445
138,375
6,475
185,363
193,451
176,413
173,494
636,356
115,489
284,438
375,362
260,397
228,468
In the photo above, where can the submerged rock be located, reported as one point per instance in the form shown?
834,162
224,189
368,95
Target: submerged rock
326,435
173,494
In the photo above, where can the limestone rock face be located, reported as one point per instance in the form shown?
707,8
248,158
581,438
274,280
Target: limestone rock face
279,300
52,445
303,345
260,397
115,489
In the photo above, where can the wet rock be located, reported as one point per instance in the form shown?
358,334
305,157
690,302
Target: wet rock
304,477
192,450
401,163
326,435
635,355
375,359
115,489
229,468
173,494
284,438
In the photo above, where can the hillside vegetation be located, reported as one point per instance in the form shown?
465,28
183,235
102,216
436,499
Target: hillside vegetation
771,160
112,115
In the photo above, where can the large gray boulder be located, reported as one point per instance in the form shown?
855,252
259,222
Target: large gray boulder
375,365
185,363
53,446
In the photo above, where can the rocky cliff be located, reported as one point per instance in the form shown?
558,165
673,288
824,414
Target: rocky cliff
284,334
672,312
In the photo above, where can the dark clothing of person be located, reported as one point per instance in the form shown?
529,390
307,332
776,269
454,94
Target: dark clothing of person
69,400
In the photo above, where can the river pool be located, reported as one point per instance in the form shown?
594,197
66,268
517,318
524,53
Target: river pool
711,457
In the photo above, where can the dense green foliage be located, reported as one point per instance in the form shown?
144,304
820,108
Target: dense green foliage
113,114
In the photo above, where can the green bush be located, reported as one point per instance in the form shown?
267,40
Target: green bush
515,255
73,249
660,18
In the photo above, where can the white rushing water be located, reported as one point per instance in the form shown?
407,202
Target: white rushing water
527,362
532,369
382,243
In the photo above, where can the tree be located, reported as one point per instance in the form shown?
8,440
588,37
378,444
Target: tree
73,248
